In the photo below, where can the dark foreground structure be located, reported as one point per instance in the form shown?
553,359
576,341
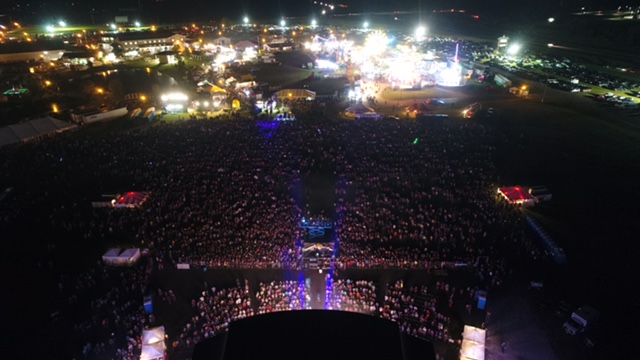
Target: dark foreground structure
314,334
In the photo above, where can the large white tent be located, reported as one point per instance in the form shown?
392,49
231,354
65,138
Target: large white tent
152,351
474,334
473,340
153,335
153,346
471,350
33,129
358,109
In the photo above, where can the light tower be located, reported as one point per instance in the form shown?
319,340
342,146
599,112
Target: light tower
503,42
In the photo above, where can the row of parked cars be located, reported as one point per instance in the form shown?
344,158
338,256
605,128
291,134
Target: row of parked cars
582,77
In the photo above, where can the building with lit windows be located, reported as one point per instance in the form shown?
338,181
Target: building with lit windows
148,42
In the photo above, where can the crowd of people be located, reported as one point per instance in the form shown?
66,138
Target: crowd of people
232,194
213,312
105,310
353,296
282,296
419,310
423,312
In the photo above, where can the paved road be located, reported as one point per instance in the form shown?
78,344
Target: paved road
512,322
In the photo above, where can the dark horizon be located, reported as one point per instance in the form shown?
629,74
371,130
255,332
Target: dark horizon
172,11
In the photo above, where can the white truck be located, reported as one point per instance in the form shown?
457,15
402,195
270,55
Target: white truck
580,320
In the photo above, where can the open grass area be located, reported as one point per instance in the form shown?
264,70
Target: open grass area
400,95
280,75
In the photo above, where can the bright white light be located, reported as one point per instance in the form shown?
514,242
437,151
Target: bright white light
206,104
551,20
246,20
375,43
513,49
174,97
550,44
365,25
113,26
326,64
313,22
172,107
324,12
62,23
137,24
51,28
283,23
420,31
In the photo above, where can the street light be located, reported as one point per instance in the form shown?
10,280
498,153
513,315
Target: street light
365,25
313,23
137,24
283,23
420,31
62,23
246,20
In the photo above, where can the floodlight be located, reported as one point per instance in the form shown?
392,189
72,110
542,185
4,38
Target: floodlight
62,23
513,49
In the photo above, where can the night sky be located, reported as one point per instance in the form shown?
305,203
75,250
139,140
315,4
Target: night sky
169,11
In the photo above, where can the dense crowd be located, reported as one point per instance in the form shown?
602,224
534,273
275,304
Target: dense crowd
282,296
354,296
105,310
232,195
228,194
213,312
422,312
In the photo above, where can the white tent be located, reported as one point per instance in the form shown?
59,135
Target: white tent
474,334
153,344
111,256
153,335
121,257
471,350
152,351
130,256
33,129
359,108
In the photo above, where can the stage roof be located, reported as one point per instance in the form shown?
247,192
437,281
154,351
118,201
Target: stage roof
314,334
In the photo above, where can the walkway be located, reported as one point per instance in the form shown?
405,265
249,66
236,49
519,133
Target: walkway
512,322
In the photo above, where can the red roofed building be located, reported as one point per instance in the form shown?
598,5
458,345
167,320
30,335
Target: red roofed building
517,195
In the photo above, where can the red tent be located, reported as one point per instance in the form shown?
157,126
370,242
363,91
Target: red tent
131,199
